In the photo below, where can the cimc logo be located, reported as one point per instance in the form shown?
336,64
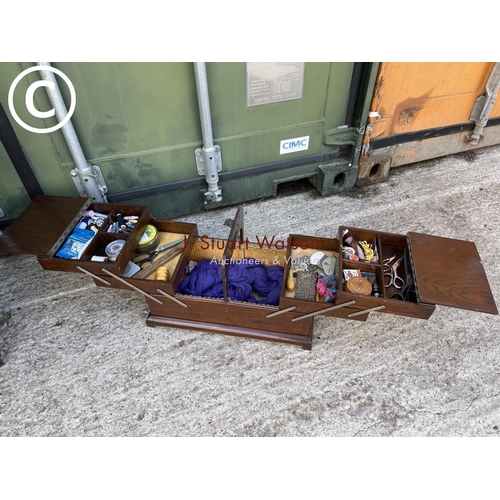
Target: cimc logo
29,98
293,145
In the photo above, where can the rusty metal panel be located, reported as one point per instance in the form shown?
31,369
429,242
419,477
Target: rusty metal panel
418,96
376,165
421,111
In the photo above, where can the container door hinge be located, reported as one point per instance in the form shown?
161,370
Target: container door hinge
80,177
209,164
484,104
341,136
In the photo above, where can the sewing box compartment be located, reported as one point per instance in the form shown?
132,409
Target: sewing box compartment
371,294
48,228
348,276
250,316
376,271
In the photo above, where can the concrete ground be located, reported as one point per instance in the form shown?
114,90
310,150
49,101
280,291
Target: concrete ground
78,360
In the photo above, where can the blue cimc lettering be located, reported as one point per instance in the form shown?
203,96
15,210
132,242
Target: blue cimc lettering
295,144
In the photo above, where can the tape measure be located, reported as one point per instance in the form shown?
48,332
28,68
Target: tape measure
149,240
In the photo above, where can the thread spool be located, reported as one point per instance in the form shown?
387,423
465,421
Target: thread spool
161,274
354,243
114,248
84,222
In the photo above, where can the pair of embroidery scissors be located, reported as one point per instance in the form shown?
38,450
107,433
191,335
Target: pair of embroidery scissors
154,253
390,267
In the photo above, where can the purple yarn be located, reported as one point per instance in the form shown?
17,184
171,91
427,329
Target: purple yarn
268,284
205,280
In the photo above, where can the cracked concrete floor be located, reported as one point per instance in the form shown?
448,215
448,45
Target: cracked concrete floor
80,361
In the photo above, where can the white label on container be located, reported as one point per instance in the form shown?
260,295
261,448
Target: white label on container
294,145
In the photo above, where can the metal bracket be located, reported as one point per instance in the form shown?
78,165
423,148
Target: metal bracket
80,177
208,164
341,136
484,104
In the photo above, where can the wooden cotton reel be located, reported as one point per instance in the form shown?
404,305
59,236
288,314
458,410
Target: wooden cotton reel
161,274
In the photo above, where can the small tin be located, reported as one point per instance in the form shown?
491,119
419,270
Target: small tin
358,285
114,248
149,240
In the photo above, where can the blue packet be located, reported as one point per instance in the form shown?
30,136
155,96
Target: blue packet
75,244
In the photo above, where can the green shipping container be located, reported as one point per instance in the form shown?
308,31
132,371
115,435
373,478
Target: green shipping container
140,124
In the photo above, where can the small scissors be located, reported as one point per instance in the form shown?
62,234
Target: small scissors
390,267
154,253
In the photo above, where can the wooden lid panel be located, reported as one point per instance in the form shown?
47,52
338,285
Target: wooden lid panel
41,224
449,272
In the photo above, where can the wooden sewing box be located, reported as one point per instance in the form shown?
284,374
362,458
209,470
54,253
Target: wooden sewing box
446,271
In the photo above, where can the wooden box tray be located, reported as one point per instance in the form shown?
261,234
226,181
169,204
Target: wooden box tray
220,315
44,226
444,271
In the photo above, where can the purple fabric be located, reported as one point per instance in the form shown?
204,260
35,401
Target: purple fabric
205,280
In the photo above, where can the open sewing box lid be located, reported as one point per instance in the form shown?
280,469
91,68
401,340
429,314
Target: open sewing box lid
44,225
449,272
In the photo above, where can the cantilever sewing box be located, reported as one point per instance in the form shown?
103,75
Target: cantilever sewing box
446,271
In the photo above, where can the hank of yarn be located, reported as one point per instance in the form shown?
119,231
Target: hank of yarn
205,280
326,288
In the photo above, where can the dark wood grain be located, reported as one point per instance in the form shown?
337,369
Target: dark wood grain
232,313
449,272
304,341
41,224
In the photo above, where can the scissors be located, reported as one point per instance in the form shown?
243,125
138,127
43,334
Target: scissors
390,267
154,253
